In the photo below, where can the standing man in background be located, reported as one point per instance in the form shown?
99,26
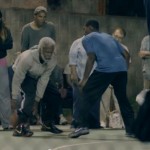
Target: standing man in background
38,28
145,55
119,34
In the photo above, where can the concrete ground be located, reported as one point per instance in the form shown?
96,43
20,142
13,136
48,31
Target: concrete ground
103,139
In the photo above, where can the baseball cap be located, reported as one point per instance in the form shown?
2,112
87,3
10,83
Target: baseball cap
39,9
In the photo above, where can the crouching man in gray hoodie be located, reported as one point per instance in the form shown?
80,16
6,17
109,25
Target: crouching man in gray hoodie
32,70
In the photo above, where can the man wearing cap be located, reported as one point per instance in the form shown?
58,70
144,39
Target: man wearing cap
38,28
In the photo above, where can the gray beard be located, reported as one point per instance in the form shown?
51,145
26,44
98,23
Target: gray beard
43,58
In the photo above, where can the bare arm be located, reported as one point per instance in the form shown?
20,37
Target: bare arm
68,78
127,57
88,68
73,75
144,54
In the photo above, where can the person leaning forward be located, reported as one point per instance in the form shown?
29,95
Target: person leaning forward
111,69
32,70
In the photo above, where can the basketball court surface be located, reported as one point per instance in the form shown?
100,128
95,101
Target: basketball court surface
99,139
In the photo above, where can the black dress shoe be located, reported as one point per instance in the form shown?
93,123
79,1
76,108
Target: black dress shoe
50,127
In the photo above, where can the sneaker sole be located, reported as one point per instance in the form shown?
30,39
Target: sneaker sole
23,135
76,136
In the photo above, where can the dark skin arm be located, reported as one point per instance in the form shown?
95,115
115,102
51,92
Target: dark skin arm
144,54
126,55
88,68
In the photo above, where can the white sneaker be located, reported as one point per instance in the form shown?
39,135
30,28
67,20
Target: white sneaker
63,120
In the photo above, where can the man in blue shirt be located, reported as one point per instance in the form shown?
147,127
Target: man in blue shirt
112,64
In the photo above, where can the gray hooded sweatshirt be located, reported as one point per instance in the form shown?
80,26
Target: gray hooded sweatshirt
28,63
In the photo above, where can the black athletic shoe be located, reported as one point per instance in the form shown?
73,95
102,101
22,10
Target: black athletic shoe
50,127
21,130
78,132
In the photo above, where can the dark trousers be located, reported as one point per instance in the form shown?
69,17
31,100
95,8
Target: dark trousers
28,90
50,103
94,112
67,101
96,86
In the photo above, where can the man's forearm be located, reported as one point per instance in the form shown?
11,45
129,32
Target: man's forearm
144,54
89,66
73,75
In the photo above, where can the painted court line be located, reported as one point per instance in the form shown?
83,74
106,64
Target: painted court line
67,146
